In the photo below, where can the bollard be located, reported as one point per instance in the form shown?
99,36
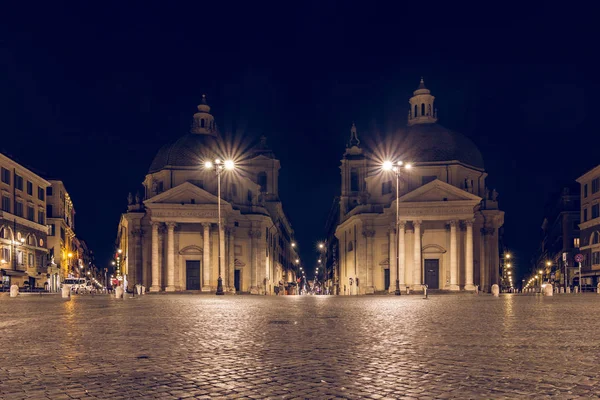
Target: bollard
66,291
562,290
598,288
14,291
425,290
495,290
547,290
139,289
407,290
143,289
569,289
576,289
119,292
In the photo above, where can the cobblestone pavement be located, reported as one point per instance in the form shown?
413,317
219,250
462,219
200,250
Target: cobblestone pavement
194,346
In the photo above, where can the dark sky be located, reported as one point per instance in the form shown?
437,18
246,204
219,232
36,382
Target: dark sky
90,93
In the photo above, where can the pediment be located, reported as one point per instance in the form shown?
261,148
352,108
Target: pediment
184,193
438,191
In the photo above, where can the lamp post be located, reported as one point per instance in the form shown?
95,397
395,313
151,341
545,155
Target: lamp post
395,168
220,166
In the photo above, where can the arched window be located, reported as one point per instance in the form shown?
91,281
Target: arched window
202,123
3,233
416,114
429,109
354,180
262,181
350,246
422,108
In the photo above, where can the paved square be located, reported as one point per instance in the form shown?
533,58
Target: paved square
194,346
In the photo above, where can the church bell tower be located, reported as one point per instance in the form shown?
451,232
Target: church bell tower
421,106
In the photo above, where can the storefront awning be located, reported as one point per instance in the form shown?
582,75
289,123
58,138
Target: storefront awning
11,272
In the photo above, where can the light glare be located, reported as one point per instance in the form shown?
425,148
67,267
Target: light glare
229,164
387,165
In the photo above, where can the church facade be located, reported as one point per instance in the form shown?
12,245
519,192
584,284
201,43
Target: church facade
441,231
169,239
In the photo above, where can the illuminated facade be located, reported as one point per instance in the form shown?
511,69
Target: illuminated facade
61,234
169,237
589,229
447,235
23,230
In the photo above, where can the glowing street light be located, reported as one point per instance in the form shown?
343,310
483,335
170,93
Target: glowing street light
395,168
228,165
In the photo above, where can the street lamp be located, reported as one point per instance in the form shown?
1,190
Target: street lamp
395,168
220,166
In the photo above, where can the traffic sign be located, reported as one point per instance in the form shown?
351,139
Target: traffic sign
579,257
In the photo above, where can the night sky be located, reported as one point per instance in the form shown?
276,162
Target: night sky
89,94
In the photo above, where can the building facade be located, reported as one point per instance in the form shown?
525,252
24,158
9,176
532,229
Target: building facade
589,234
23,230
448,221
169,238
560,238
64,257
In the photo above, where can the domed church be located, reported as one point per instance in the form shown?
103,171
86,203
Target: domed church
169,238
438,227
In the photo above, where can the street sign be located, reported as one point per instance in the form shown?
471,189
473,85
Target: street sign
579,257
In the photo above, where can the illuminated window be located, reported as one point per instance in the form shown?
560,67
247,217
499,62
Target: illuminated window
576,242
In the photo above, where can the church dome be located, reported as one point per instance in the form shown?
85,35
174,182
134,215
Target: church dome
192,149
427,141
188,151
434,143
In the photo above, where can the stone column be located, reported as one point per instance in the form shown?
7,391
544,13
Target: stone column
231,260
393,264
469,256
206,258
417,258
482,259
155,261
253,263
221,271
171,256
453,256
369,234
401,255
